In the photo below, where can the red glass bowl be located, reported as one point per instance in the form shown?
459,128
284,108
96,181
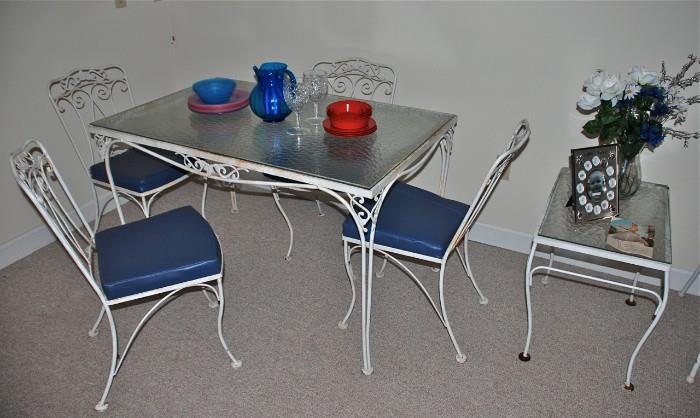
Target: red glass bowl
349,115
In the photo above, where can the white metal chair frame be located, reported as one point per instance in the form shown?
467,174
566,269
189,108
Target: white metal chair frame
691,280
34,171
92,90
517,142
348,77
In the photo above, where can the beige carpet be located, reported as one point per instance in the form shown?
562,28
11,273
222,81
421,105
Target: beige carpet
281,320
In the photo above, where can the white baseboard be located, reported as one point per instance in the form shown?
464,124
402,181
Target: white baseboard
37,238
521,242
42,236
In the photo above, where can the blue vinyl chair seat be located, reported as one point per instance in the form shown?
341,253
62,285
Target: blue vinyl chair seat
414,220
137,171
163,250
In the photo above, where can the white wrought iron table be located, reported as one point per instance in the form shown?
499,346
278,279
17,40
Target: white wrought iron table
351,170
649,206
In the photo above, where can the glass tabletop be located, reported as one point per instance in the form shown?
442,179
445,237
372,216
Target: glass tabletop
649,206
357,161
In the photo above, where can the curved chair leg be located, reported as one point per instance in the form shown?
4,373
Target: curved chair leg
234,363
98,212
461,358
276,196
318,205
380,272
693,371
213,303
204,198
348,268
101,405
234,201
467,269
94,331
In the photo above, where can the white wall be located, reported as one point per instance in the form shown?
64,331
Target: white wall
491,63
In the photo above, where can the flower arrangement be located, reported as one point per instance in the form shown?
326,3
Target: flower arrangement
632,111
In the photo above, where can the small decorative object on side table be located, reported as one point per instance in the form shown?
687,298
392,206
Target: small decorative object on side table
631,112
594,182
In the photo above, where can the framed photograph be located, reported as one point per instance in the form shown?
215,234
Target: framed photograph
594,182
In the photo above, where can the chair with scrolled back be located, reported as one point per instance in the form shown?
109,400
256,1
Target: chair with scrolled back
131,259
421,225
86,94
355,78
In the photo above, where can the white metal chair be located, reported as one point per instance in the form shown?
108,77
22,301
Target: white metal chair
691,280
86,94
132,262
418,224
355,78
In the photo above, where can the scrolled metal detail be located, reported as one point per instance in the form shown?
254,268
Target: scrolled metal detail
87,85
212,170
354,75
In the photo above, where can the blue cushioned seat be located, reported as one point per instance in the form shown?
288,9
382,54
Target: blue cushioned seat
163,250
137,171
414,220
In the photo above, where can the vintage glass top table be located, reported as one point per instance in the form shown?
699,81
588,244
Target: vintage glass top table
220,146
649,206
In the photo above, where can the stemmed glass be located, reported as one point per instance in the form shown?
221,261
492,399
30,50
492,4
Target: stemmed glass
296,95
318,88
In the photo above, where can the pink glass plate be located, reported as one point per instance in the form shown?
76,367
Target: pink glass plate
371,127
238,100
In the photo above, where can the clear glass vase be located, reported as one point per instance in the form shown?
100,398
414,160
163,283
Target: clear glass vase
630,177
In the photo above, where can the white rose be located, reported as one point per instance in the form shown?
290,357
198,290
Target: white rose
644,77
594,83
588,101
612,89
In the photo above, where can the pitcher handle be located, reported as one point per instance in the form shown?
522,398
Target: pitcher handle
291,76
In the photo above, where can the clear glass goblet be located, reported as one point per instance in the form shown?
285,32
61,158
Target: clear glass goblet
296,95
317,81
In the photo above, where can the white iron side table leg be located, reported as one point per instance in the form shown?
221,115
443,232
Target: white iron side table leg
630,300
525,356
657,316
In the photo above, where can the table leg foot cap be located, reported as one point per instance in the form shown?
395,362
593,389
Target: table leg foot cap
461,358
629,387
343,325
367,371
524,357
631,302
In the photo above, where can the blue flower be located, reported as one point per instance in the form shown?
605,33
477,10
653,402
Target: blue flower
651,91
660,109
652,134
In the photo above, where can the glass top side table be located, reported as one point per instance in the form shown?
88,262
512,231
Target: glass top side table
649,206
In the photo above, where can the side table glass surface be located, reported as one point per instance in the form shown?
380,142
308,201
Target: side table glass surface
649,206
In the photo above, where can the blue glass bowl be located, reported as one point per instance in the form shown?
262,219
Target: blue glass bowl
214,90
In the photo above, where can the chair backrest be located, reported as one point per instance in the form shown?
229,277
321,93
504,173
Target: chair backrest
84,95
39,179
359,78
515,145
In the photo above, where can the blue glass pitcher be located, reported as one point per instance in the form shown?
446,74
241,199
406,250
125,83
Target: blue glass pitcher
267,97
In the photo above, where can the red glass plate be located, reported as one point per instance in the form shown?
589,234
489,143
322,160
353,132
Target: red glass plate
238,100
371,127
